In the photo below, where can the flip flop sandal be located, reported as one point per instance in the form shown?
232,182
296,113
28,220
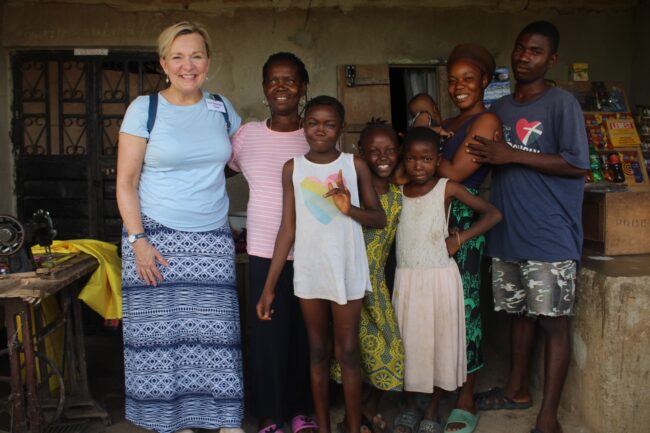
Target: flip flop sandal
496,399
376,423
429,426
408,418
460,416
303,422
366,425
271,428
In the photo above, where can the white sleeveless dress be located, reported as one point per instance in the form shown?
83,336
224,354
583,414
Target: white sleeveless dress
428,296
330,259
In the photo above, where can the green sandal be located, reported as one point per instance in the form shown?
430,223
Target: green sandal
460,416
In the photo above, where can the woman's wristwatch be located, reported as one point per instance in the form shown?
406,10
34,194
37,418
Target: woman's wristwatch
134,237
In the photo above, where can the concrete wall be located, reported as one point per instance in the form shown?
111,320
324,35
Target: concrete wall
641,71
7,201
609,375
599,32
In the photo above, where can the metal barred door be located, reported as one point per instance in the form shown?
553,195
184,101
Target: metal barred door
67,111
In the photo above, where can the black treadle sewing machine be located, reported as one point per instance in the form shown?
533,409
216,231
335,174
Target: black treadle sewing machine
16,240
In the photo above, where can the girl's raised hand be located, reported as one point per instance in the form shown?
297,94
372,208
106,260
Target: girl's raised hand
340,194
263,307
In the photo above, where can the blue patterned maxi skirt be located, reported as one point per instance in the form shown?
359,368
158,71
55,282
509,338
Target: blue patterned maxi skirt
182,354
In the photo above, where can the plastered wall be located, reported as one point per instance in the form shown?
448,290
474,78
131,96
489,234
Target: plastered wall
641,63
602,35
7,201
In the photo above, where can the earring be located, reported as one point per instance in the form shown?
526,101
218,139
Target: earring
166,79
265,102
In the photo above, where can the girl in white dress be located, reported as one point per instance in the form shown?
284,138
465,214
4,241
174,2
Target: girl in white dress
428,296
322,214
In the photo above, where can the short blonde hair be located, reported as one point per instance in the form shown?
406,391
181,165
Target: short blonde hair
167,36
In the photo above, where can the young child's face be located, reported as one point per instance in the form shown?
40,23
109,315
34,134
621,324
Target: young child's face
379,150
323,127
420,160
531,57
424,105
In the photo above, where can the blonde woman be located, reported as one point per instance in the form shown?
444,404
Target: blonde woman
182,357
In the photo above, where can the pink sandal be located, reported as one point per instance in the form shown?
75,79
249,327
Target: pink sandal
302,422
271,428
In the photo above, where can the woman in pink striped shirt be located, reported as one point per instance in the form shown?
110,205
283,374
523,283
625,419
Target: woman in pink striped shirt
278,362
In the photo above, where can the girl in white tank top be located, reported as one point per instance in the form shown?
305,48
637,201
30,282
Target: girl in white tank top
322,196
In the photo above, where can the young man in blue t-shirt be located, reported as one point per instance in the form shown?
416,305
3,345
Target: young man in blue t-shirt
538,184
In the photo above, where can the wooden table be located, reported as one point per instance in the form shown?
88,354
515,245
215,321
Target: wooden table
20,296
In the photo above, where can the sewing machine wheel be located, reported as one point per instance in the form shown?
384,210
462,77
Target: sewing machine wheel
51,402
12,235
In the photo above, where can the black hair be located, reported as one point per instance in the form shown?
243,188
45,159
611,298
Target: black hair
284,56
377,124
328,101
546,29
422,133
422,95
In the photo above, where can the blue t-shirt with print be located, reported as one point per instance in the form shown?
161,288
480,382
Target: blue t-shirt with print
542,213
182,183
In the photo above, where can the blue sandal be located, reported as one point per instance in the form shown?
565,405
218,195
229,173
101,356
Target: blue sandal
408,418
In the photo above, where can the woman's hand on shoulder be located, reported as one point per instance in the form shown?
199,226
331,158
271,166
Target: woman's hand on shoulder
146,259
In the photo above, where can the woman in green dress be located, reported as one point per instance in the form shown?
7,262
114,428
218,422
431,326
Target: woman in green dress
469,68
382,352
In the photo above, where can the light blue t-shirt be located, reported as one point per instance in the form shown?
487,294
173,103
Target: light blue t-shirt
182,184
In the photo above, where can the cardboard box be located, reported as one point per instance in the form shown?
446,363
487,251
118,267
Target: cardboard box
622,132
617,223
579,72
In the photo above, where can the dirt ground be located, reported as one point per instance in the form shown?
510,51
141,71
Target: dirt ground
106,378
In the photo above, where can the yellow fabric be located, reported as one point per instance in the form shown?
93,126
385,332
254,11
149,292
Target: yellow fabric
103,292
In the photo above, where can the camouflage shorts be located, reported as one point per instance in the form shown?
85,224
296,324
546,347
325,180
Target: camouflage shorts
535,288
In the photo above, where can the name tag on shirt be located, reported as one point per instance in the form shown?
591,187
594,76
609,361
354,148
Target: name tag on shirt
214,105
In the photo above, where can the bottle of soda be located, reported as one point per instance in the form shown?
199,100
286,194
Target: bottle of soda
616,166
607,170
636,170
596,170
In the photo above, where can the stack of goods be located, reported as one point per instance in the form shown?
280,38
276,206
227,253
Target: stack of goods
643,125
613,149
498,87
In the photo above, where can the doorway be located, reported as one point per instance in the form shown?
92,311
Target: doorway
382,91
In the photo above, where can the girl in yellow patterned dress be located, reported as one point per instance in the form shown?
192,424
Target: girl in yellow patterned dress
382,352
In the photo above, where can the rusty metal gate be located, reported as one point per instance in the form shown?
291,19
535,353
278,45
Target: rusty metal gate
66,116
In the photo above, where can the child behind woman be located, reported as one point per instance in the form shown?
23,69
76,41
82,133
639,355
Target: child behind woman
428,295
322,193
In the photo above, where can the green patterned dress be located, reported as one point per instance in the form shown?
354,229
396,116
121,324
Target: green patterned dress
470,254
468,259
382,352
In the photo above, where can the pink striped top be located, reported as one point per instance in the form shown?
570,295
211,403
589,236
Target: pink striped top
259,154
